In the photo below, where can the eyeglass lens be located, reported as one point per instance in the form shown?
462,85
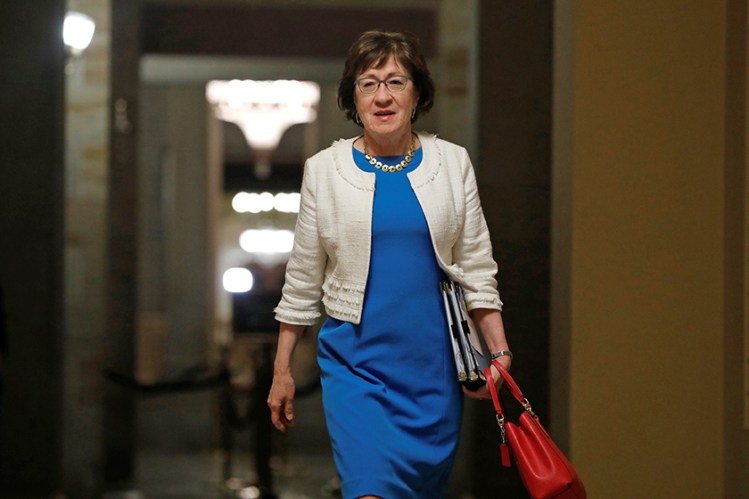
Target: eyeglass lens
370,85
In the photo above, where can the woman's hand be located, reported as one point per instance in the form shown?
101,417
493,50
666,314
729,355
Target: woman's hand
281,400
483,392
281,396
489,322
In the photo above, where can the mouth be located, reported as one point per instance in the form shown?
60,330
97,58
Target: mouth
384,114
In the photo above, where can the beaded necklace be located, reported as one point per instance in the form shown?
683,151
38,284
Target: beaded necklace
390,168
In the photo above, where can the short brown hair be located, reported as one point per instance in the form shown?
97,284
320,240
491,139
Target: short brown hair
374,48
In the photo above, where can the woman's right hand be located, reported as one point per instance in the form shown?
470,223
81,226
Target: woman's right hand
281,400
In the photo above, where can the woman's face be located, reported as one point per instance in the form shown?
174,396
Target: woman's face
384,112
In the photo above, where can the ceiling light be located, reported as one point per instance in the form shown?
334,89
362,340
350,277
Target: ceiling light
264,110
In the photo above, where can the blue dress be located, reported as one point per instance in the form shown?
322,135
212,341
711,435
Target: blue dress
392,404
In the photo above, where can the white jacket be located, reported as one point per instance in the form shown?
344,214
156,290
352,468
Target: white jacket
333,235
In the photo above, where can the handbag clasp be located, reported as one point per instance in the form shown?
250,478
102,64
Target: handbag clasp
528,408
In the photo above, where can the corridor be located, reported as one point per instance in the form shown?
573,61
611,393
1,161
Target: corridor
176,459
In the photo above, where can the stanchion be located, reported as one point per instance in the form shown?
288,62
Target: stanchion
258,418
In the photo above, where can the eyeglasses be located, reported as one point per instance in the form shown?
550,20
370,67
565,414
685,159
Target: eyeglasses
394,84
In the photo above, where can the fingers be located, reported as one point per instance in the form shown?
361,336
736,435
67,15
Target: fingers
285,416
288,413
482,393
281,413
478,394
276,419
275,414
281,401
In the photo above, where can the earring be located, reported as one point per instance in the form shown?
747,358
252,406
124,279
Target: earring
413,114
357,119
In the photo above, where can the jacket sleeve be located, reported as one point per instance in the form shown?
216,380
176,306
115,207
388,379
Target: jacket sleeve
473,250
302,290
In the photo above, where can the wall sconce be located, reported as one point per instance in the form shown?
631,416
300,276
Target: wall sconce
77,33
264,110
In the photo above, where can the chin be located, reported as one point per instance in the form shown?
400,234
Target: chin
389,128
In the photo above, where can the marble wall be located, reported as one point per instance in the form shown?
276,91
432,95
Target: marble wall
86,193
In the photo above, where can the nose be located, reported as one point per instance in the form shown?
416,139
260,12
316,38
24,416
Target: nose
382,92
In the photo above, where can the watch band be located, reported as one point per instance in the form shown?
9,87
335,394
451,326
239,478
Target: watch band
502,353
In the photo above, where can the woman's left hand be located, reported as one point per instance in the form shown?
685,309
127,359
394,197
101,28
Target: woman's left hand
483,392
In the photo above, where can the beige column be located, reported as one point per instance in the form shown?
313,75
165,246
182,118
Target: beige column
456,72
641,245
86,193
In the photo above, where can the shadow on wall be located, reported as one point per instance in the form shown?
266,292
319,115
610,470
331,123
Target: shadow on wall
3,343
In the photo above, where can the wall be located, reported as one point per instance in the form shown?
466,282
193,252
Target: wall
86,167
175,264
514,116
736,345
455,72
639,243
32,99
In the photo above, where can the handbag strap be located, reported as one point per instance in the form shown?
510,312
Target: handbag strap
512,387
503,449
493,391
509,382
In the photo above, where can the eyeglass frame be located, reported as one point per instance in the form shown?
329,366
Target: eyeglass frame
379,82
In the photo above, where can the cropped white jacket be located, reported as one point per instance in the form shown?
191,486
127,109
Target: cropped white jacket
332,242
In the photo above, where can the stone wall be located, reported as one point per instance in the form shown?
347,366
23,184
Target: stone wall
86,194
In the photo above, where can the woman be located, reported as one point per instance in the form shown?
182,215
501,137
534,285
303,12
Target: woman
384,218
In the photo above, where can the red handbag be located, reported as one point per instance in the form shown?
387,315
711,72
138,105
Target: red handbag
544,469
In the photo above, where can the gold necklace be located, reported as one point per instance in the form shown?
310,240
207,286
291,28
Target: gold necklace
390,168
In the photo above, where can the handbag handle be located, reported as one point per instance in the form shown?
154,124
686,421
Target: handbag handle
495,396
504,451
515,391
513,388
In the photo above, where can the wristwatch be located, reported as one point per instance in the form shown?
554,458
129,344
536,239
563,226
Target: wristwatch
502,353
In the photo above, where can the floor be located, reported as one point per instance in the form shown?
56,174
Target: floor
178,456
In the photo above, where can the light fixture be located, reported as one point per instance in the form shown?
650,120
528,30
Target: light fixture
264,110
238,280
77,32
267,241
252,202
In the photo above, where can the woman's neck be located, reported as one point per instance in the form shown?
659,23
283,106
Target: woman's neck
387,146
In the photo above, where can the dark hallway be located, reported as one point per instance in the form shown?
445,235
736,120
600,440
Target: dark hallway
609,142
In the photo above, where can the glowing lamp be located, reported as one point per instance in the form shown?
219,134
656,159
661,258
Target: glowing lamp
264,110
